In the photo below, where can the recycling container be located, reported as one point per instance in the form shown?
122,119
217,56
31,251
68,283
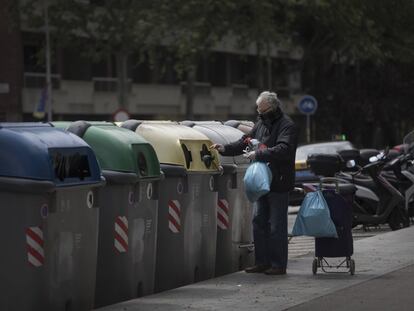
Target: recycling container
242,125
49,229
128,210
234,211
186,246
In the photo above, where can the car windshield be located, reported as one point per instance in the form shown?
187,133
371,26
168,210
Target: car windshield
302,152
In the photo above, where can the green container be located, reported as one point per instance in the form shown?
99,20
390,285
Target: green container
129,210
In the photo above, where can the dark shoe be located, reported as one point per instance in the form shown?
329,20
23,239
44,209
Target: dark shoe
257,269
275,271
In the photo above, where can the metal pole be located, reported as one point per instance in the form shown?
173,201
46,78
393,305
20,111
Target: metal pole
48,70
308,139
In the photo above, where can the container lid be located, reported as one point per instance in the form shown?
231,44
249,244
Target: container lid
117,149
40,151
221,134
243,125
180,145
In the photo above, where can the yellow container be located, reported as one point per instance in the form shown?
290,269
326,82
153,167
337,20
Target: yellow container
187,215
177,144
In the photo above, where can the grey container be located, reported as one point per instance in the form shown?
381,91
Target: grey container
234,212
49,228
186,245
128,210
242,125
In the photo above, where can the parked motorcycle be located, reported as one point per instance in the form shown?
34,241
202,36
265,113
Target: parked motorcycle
376,200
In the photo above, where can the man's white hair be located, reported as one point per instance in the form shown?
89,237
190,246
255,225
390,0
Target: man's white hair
269,97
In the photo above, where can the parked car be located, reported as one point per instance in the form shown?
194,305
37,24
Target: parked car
303,173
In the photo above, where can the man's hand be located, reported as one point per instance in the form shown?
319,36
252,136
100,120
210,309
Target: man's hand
218,147
250,155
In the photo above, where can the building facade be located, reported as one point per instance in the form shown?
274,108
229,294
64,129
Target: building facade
226,83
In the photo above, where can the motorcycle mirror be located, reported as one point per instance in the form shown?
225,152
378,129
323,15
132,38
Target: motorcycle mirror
350,163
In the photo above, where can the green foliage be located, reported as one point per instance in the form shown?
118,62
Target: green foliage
261,22
357,55
99,28
193,27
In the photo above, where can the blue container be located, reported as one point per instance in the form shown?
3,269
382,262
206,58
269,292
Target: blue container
41,152
48,181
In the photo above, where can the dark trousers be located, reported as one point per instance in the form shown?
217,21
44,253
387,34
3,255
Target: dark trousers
270,230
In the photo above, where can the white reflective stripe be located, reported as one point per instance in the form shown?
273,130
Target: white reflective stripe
172,227
33,260
124,220
223,210
38,231
174,215
223,202
121,232
224,214
33,244
176,204
119,247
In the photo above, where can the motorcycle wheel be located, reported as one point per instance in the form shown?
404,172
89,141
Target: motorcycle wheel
398,219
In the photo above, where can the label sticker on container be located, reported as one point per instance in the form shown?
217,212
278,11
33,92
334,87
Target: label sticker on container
223,214
131,197
180,187
34,243
211,183
44,211
89,199
174,216
121,234
149,191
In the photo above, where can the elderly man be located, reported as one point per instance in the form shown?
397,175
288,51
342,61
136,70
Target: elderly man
278,132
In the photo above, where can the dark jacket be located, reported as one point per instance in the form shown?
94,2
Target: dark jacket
278,132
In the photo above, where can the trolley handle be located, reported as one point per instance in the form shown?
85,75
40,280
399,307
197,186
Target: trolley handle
328,180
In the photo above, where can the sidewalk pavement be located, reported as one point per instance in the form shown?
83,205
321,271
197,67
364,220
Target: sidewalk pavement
383,280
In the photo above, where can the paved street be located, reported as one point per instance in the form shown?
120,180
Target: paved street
384,268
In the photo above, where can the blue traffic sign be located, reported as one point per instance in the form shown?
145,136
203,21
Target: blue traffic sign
308,104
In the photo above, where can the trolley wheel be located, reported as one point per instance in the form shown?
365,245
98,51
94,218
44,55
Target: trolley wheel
352,267
314,266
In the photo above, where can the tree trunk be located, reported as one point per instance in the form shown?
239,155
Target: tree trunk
259,68
122,85
339,94
190,93
269,67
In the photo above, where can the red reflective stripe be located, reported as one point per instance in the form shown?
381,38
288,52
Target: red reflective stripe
122,225
35,254
121,240
34,236
222,219
223,206
174,222
174,207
